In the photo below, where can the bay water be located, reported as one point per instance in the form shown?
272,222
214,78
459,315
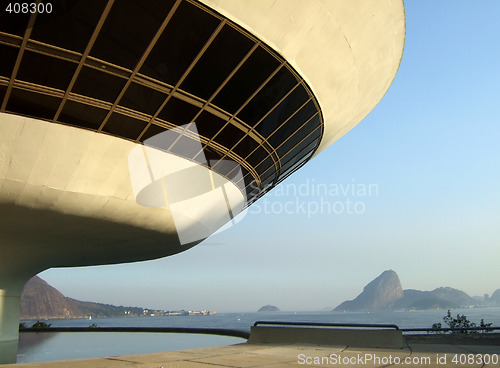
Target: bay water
38,347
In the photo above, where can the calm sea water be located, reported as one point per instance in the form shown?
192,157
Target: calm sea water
62,346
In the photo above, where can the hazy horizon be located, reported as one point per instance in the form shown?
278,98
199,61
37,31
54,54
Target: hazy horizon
317,309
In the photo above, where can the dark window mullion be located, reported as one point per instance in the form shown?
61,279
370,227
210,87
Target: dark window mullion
253,95
228,78
97,29
26,37
266,139
276,105
287,120
140,63
179,82
276,149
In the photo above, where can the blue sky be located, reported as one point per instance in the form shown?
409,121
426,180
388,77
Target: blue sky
431,148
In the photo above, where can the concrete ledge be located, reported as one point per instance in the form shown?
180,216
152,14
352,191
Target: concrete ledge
373,338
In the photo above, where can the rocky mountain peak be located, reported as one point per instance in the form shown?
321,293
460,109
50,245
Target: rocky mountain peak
379,294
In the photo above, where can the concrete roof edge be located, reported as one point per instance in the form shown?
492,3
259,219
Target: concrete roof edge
347,52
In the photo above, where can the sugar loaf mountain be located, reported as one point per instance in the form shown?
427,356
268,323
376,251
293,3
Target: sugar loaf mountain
386,293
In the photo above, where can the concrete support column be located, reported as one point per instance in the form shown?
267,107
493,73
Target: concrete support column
10,293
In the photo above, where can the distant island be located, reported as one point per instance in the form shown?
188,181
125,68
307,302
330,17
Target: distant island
39,300
386,293
269,308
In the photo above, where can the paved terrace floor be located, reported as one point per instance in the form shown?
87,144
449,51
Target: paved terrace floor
414,354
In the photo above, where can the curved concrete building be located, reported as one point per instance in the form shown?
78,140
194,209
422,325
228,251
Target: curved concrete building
132,130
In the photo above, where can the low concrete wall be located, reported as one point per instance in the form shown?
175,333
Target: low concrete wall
373,338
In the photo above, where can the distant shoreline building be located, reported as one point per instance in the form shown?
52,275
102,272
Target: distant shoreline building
242,94
164,313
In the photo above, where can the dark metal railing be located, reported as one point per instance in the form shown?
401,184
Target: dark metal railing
375,325
319,324
444,329
208,331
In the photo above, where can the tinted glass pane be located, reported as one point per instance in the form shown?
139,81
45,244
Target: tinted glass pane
45,70
163,140
283,111
247,79
152,131
245,147
293,163
12,23
178,112
187,147
293,124
308,142
217,62
3,89
124,126
79,114
70,25
33,104
211,155
208,124
181,41
251,187
297,137
7,60
99,85
128,30
269,171
228,168
229,136
256,157
144,99
240,182
269,179
272,92
266,164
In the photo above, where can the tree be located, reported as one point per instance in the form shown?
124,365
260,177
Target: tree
461,324
40,324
